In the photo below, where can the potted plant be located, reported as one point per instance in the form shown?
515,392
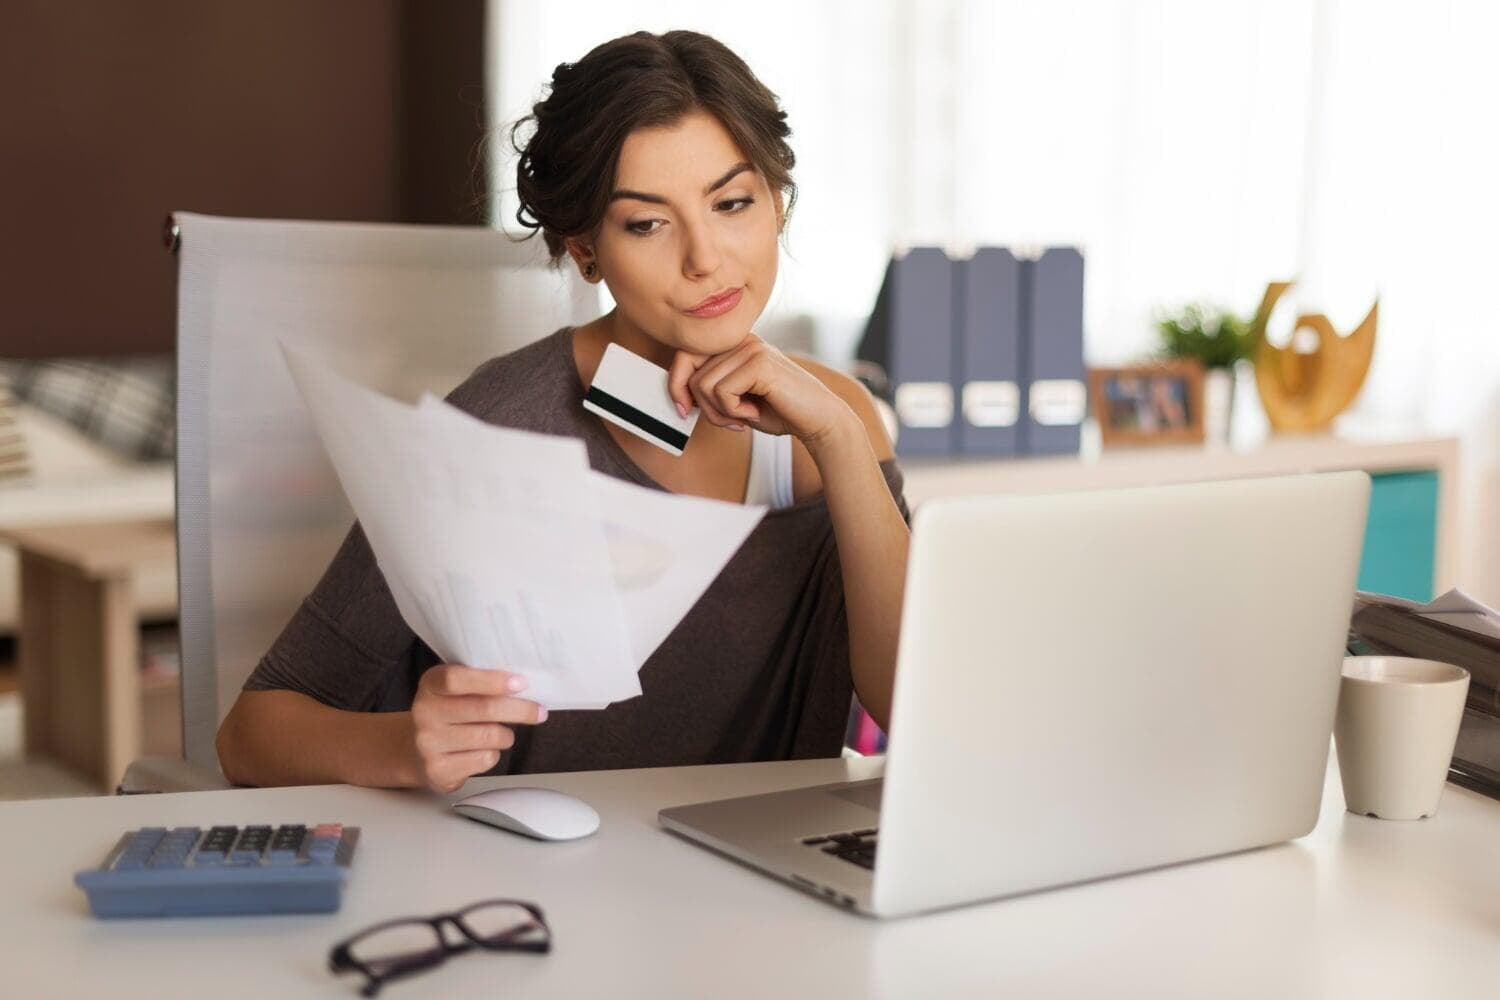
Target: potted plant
1219,340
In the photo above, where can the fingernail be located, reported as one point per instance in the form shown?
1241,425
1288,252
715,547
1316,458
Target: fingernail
681,410
736,427
541,714
516,683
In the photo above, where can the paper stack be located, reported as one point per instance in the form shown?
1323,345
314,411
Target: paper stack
1454,629
503,549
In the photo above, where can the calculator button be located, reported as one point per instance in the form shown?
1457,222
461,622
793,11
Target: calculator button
322,850
146,839
287,842
139,847
251,844
289,834
221,836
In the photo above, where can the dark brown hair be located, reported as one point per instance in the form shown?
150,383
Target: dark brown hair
567,166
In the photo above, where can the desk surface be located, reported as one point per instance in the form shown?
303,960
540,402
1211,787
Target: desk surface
1360,908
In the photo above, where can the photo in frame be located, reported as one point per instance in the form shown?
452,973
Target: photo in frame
1157,403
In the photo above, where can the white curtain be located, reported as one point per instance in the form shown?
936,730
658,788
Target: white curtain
1194,150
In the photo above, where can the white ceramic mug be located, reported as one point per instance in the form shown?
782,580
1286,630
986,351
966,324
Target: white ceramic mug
1397,723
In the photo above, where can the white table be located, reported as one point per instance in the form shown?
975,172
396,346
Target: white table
1361,908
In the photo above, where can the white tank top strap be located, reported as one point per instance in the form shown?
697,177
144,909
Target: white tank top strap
770,482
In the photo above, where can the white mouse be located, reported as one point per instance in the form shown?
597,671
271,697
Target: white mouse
536,812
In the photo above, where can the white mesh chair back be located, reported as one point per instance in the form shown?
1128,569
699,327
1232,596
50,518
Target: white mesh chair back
405,309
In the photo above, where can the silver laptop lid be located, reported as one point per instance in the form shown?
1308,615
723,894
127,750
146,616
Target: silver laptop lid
1102,682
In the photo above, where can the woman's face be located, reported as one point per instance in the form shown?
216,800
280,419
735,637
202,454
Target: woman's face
689,220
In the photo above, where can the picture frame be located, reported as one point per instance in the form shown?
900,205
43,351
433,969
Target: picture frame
1156,403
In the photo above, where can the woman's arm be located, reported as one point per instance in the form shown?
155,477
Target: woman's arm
288,738
835,420
873,540
458,726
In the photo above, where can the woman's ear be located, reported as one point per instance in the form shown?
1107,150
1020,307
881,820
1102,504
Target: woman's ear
583,256
780,211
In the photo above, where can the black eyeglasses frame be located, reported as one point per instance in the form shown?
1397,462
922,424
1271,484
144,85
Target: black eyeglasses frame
341,958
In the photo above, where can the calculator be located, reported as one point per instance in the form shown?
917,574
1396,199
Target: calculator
187,871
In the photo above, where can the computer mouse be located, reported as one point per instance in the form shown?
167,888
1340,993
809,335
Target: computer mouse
535,812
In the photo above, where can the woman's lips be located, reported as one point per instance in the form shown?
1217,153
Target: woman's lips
719,306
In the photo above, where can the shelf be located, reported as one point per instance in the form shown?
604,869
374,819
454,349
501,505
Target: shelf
1117,468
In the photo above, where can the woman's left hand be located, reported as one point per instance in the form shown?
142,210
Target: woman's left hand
758,386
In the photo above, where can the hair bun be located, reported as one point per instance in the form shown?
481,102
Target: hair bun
563,69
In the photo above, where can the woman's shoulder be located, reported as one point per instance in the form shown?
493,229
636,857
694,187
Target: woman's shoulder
522,388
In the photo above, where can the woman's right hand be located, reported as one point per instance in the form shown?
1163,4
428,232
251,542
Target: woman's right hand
459,718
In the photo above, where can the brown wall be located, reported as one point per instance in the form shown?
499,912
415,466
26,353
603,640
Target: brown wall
118,113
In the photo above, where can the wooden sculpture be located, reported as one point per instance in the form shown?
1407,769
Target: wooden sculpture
1304,392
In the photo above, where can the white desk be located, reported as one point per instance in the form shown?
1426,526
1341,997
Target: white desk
1361,908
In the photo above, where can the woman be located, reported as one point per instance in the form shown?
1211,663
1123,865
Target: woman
659,165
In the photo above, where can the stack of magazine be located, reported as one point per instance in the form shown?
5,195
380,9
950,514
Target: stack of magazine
1455,629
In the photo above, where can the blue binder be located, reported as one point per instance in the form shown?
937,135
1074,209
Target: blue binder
1055,394
909,341
988,379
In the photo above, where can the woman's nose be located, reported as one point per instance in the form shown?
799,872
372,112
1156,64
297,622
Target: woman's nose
700,252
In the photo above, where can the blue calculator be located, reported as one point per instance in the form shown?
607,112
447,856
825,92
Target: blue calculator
187,871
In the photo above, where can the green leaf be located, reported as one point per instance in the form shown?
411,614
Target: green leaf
1215,336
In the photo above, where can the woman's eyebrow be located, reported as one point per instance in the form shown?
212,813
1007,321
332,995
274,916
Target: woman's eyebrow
734,171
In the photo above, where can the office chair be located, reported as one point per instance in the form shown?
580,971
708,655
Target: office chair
404,309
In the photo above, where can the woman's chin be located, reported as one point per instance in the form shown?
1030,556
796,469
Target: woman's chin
714,336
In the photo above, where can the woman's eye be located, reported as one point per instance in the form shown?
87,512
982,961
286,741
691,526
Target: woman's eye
732,206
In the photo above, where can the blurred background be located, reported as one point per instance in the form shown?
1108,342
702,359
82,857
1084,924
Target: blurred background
1192,152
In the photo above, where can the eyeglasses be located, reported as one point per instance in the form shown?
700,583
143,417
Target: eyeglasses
410,945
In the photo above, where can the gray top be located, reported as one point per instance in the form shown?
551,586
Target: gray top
757,670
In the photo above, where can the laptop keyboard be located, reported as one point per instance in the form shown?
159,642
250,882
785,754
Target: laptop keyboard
857,846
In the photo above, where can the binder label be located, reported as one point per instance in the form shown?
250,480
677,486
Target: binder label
1058,402
924,404
992,404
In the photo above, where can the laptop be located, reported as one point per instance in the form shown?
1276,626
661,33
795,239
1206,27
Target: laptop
1087,684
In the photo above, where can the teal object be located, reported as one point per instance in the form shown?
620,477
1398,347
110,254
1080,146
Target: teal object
1400,549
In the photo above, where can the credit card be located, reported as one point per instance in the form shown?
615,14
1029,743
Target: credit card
632,392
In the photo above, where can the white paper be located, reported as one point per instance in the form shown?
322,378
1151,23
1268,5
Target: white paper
503,549
1461,611
1454,608
665,552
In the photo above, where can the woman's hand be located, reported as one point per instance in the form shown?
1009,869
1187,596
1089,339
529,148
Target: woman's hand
756,385
458,719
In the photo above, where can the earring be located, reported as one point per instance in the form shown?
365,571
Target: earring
590,271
